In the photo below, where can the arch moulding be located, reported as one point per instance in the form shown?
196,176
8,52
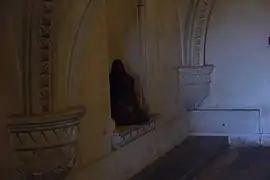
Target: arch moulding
194,73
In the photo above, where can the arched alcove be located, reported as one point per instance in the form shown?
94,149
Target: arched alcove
125,29
160,84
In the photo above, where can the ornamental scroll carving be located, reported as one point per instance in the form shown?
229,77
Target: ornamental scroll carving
43,139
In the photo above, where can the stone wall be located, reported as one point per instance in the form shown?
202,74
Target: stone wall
237,45
57,55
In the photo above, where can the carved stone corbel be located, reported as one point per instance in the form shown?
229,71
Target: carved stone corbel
44,146
43,139
195,84
194,74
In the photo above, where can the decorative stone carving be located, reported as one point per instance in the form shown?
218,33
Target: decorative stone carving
194,74
43,140
45,48
195,82
200,25
37,60
195,32
44,145
124,135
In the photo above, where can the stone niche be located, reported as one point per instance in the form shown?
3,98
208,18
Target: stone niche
125,134
194,73
135,63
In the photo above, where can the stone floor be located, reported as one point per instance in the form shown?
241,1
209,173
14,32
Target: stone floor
239,164
183,162
210,158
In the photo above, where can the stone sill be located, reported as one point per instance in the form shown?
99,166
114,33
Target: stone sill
124,135
140,153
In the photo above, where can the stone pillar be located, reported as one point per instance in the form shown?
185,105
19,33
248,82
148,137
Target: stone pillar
43,137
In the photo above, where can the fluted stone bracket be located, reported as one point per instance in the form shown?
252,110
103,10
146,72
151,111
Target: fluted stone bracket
195,84
44,146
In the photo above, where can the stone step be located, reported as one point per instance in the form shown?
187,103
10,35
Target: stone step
185,160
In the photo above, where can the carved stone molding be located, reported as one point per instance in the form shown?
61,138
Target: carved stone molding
45,48
194,74
43,140
195,84
196,31
37,63
124,135
44,146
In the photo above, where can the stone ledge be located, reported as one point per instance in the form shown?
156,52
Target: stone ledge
132,158
123,135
